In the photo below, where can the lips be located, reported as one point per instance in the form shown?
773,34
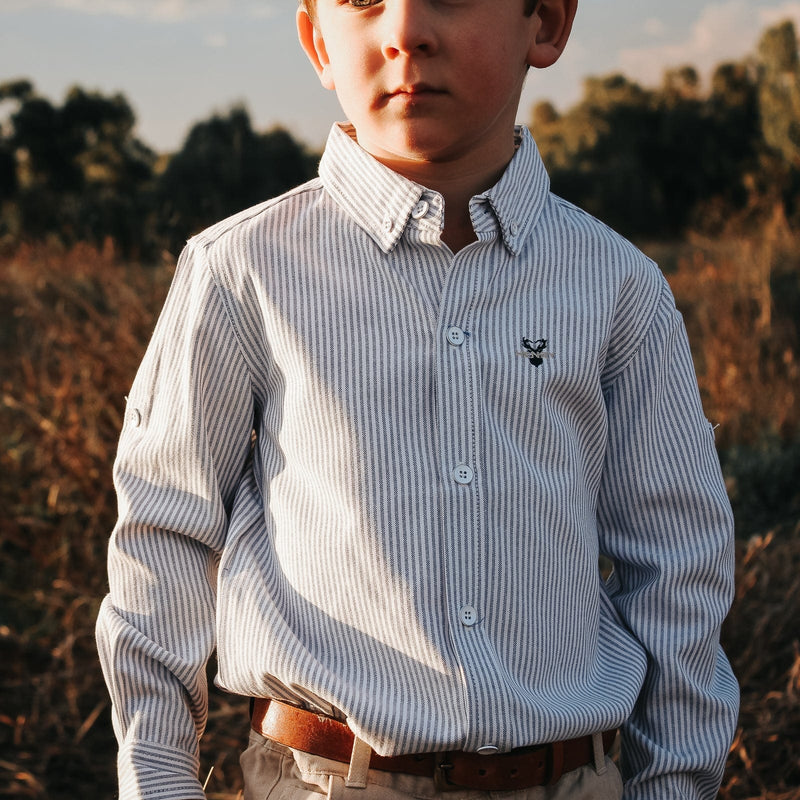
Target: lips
414,88
414,92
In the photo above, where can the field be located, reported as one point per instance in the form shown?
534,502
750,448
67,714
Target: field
73,326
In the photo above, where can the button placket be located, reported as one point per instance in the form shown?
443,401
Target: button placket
460,439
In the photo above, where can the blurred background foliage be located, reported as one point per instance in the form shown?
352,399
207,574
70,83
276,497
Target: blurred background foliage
77,173
655,163
705,179
652,162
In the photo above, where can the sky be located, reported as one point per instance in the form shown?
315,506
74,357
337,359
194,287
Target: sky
180,61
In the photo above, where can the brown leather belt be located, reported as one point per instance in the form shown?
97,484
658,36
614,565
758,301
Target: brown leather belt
519,769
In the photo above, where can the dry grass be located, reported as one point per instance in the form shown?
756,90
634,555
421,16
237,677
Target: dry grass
741,300
73,326
762,637
73,329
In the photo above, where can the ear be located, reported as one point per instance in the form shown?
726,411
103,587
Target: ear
314,46
553,26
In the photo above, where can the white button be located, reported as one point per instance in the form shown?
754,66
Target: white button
488,750
463,474
134,417
468,616
513,228
456,336
388,224
420,210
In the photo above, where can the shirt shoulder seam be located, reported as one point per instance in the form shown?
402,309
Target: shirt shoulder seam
229,314
213,233
661,290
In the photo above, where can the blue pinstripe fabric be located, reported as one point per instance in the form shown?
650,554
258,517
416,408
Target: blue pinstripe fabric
334,559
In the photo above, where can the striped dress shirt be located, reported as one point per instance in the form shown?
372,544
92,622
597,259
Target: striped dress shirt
378,476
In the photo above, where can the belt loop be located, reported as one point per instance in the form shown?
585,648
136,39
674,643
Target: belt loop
335,787
556,762
599,754
359,765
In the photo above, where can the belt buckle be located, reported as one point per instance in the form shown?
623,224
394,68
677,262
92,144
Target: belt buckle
441,768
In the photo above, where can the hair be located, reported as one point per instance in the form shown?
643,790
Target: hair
310,6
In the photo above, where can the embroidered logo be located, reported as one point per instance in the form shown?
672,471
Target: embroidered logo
536,352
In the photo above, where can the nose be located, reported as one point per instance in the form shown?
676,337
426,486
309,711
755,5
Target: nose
409,28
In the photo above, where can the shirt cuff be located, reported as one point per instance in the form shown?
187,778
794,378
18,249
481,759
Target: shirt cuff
148,770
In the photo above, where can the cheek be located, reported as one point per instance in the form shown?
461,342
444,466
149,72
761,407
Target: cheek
354,78
496,79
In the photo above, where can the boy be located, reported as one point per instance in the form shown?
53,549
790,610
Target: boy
385,427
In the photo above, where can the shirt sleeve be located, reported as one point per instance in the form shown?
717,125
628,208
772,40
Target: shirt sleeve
666,523
184,443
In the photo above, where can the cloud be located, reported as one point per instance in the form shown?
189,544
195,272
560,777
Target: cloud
724,31
771,16
216,40
655,27
261,10
156,10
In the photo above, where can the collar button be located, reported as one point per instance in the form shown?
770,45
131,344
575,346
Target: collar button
420,209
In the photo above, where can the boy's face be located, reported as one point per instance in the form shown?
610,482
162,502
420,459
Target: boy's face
432,80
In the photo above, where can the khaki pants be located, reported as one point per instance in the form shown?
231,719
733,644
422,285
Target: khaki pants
274,772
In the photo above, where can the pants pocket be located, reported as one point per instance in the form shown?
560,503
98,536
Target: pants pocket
270,773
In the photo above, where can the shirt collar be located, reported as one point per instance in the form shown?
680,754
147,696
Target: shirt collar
518,197
381,201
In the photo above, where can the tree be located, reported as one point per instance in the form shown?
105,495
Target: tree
225,166
779,91
650,162
78,170
12,93
681,84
